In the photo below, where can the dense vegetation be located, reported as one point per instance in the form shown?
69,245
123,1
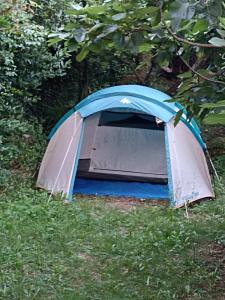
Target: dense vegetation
37,82
52,54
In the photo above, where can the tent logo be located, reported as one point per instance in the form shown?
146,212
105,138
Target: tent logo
125,101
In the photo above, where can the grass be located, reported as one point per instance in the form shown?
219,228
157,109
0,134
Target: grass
94,250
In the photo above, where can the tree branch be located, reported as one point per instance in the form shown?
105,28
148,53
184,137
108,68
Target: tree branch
182,40
200,75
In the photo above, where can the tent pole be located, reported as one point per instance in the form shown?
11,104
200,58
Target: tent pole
64,159
60,169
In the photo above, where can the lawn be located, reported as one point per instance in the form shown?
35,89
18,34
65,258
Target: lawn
92,249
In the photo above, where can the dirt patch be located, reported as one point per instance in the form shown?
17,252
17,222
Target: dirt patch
85,256
214,138
124,203
213,256
123,206
132,203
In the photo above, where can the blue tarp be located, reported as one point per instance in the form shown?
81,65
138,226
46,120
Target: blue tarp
121,189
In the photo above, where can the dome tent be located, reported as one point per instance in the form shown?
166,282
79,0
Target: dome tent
121,141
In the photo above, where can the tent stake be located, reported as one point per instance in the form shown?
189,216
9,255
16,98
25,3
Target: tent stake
186,210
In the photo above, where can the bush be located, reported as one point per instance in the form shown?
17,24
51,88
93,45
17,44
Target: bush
26,62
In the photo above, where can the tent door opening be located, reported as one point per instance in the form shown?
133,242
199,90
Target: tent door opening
124,147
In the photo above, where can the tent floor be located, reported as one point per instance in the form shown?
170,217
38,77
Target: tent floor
121,189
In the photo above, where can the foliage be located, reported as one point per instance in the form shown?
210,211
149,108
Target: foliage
185,32
94,250
220,165
38,82
61,93
25,62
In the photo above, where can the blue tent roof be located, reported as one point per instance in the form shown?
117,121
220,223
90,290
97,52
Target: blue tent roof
128,90
135,97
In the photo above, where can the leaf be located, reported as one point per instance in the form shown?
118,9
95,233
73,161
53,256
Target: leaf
54,41
163,59
221,32
119,40
175,24
107,30
185,75
170,101
145,47
222,22
72,12
95,27
156,18
95,10
130,45
186,25
34,4
190,12
200,26
205,73
60,35
137,38
79,34
76,6
143,11
4,23
72,45
215,8
217,42
117,7
182,10
96,48
53,35
186,85
119,16
82,55
215,119
70,26
213,105
110,28
91,10
177,117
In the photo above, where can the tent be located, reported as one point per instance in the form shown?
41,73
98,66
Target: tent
121,141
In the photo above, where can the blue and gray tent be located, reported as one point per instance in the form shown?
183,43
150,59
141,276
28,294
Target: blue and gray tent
121,141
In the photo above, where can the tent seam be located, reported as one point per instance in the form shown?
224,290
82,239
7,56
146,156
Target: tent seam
169,168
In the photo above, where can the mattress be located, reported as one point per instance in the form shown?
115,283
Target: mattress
131,154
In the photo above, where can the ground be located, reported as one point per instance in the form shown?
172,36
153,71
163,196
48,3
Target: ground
97,249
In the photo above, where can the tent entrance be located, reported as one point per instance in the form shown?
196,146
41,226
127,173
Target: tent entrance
129,153
119,148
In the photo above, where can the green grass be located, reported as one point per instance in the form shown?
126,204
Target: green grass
94,250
